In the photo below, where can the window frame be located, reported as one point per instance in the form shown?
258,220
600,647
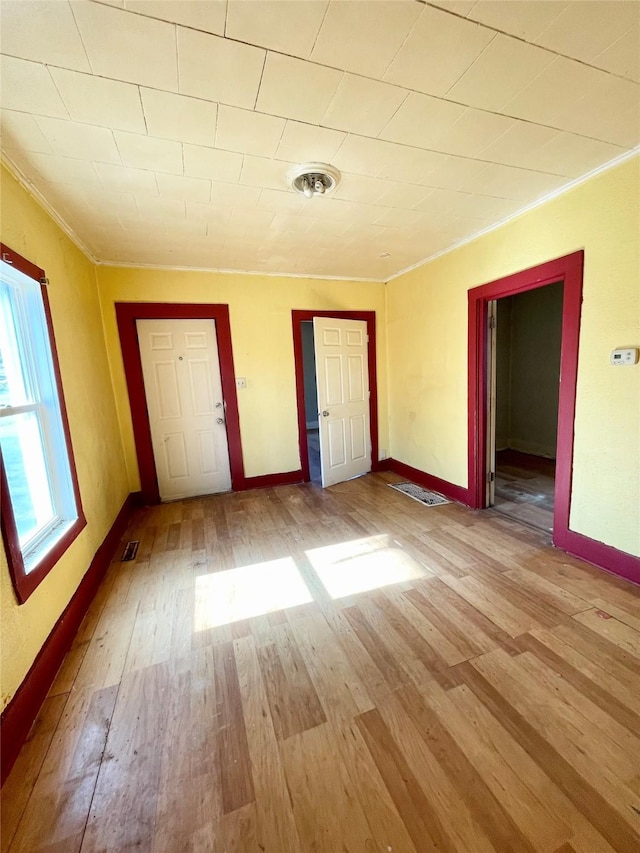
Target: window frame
26,582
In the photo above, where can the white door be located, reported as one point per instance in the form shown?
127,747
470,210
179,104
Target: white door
186,411
342,370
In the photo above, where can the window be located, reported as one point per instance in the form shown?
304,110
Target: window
40,502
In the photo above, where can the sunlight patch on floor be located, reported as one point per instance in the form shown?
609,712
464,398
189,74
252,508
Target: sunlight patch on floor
225,597
363,564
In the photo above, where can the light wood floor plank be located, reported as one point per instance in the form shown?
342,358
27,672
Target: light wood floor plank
442,679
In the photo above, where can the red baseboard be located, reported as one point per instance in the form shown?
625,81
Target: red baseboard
449,490
263,481
603,556
18,716
577,544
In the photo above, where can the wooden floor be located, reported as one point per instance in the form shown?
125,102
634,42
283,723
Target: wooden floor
294,670
525,486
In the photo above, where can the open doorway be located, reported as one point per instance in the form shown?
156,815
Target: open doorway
352,435
568,270
524,403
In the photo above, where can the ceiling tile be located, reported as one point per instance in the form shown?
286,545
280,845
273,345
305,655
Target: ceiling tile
412,165
448,202
265,173
399,218
187,189
127,179
147,152
248,132
362,156
361,188
201,162
217,69
520,145
381,31
128,47
62,170
307,143
454,173
623,57
519,184
97,100
525,20
279,201
363,106
207,213
207,16
568,154
472,132
179,117
28,88
402,195
279,25
500,72
248,220
584,29
609,111
233,195
460,7
20,131
83,141
427,62
296,89
421,120
42,31
550,98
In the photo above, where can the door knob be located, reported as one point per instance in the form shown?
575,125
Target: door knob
325,414
219,420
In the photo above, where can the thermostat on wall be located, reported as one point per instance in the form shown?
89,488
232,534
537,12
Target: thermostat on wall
625,356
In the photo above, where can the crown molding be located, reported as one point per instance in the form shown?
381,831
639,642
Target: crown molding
221,270
27,185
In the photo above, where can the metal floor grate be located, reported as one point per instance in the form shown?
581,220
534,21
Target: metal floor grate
424,496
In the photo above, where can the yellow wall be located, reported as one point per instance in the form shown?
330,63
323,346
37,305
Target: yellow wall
27,229
427,343
260,315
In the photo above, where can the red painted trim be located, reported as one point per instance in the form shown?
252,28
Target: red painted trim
428,481
18,716
25,583
288,478
568,270
603,556
23,264
369,317
126,314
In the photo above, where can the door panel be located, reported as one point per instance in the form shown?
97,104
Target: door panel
186,411
343,398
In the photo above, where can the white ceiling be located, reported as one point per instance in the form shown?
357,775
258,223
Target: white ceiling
161,131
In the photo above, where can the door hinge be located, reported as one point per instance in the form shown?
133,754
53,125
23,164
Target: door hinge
491,477
44,281
492,321
367,337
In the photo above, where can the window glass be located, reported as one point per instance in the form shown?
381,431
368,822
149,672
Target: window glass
32,433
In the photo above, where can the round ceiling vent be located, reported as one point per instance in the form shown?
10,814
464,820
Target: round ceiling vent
314,179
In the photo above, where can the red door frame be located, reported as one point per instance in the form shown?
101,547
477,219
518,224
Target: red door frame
568,270
369,317
126,314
